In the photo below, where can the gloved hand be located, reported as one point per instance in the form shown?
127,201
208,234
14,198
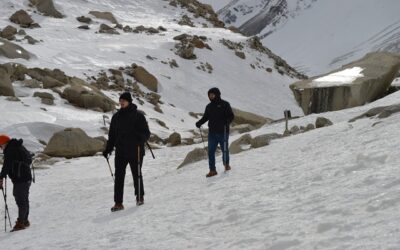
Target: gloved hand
106,154
198,125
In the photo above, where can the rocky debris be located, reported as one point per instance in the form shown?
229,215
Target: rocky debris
22,18
46,98
280,64
104,15
144,77
50,82
143,29
104,28
32,83
243,117
185,20
156,139
197,154
8,33
6,88
174,139
13,99
12,50
236,46
84,27
46,7
50,76
187,44
321,94
21,32
322,122
31,40
72,143
161,123
173,64
199,10
84,19
83,95
206,67
380,112
240,54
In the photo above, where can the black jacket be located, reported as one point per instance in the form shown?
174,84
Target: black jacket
219,115
17,162
128,131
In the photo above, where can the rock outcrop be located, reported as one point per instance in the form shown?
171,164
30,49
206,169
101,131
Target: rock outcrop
47,8
104,15
144,77
340,89
195,155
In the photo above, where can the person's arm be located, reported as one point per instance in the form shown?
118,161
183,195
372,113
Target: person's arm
204,119
229,114
111,138
6,168
143,130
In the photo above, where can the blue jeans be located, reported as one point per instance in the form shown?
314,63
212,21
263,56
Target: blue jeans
213,141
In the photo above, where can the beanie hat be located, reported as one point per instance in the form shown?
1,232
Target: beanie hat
126,96
4,139
215,91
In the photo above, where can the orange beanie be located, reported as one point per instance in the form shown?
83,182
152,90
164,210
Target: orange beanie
4,139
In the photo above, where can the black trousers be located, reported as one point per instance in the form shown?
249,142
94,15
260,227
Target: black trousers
120,170
21,195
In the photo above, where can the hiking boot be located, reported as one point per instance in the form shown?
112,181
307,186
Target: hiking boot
139,201
227,167
19,225
211,173
27,223
117,207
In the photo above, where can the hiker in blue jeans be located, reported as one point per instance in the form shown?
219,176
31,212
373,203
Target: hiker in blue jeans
219,115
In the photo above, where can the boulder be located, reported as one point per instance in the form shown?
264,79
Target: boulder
354,84
195,155
243,117
187,52
85,96
144,77
49,82
264,140
295,130
104,15
241,144
104,28
242,128
45,97
322,122
31,40
22,18
84,19
175,139
6,88
240,54
12,50
46,7
8,32
71,143
32,83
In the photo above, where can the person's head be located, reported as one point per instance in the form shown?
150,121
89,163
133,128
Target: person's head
214,94
125,99
4,139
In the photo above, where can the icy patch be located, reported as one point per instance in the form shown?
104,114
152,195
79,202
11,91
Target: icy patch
343,77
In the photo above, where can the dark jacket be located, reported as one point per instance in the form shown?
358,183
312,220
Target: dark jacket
128,130
219,115
17,162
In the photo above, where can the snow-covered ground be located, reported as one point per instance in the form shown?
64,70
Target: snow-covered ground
331,188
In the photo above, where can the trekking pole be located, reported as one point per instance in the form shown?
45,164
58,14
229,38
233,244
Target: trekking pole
6,212
33,170
151,151
109,166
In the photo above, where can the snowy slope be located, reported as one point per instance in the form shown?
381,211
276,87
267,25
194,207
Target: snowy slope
331,188
317,36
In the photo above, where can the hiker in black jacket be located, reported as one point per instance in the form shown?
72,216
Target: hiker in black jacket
17,161
219,115
128,133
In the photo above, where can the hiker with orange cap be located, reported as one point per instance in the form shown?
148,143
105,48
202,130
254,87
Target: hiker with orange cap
17,161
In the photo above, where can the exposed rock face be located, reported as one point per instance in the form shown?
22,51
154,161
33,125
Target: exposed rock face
6,88
71,143
243,117
195,155
104,15
47,8
22,18
317,95
143,76
12,50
